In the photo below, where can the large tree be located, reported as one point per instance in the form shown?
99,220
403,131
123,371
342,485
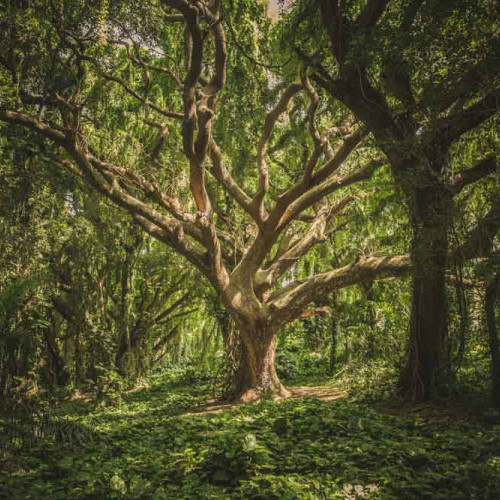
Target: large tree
421,77
132,97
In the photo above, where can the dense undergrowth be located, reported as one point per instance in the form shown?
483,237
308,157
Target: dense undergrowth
152,443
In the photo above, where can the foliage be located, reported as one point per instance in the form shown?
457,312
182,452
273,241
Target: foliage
153,446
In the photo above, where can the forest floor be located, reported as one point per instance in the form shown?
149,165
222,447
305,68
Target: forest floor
320,392
163,442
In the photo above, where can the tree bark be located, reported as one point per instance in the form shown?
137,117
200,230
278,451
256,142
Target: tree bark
463,312
428,365
78,357
256,375
57,365
333,332
123,348
136,342
370,320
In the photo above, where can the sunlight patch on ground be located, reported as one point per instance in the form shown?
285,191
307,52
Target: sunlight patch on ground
322,393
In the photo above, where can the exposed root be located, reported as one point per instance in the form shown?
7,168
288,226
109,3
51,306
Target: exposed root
252,395
249,396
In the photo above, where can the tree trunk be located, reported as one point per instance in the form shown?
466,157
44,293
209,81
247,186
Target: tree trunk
463,312
134,342
492,292
78,357
232,347
333,332
4,379
57,366
123,349
370,321
124,343
256,375
428,366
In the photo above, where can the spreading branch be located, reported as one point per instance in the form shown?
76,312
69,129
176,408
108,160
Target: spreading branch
371,13
269,124
289,302
453,127
474,174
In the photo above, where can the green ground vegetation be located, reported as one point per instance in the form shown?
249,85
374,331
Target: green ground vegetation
161,441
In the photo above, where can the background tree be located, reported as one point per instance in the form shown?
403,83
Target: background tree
422,77
82,290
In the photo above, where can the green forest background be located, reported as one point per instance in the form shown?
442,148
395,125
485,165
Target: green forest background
203,207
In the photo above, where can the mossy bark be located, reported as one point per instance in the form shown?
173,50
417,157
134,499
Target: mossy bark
427,371
256,376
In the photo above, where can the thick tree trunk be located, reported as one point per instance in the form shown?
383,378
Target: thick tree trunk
256,376
8,366
428,365
492,292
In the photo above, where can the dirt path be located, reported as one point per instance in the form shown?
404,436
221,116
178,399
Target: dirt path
321,392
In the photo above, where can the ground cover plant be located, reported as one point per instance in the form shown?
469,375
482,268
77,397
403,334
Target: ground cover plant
161,441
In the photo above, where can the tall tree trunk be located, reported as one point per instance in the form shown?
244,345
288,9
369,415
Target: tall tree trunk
428,365
124,343
463,312
256,375
75,322
56,363
78,357
370,320
4,379
333,332
492,292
